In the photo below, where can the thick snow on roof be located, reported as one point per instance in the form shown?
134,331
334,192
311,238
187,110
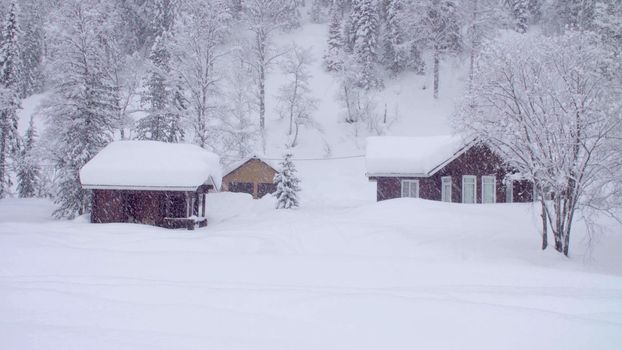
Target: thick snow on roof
151,165
233,166
386,155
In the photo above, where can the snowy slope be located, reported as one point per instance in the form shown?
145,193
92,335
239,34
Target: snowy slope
401,274
410,108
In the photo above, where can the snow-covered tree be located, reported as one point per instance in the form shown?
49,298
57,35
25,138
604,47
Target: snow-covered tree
202,31
287,184
482,19
608,23
32,39
28,170
316,11
520,11
365,49
264,18
334,53
552,111
10,87
163,16
359,104
239,129
395,50
295,102
163,96
441,28
83,107
574,14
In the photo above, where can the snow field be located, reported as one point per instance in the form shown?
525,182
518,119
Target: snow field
400,274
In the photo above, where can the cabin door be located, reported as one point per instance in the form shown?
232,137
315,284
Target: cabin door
130,207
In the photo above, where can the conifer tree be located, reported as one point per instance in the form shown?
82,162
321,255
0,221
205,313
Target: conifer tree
520,11
333,55
366,44
10,77
28,168
287,184
443,29
163,96
162,13
395,54
83,106
31,19
316,11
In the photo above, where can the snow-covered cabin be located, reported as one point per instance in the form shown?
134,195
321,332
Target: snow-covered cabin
151,182
444,168
253,176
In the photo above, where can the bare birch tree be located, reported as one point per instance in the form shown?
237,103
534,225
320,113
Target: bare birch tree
550,108
294,98
201,31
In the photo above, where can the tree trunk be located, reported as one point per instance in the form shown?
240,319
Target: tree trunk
349,118
3,165
545,237
295,140
474,43
262,96
558,230
437,60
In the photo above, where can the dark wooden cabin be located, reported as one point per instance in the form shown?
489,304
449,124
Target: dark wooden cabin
442,168
152,183
253,176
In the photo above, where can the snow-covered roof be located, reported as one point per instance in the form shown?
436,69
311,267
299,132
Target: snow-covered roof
235,165
411,156
151,165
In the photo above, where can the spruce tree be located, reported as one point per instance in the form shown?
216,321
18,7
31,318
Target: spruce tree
333,57
366,44
31,19
287,184
316,11
162,14
444,34
415,61
83,106
520,11
163,96
395,54
10,78
28,168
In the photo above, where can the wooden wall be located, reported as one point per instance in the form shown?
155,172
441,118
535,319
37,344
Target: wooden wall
147,207
478,160
254,172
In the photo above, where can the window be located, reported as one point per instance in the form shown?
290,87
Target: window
410,188
468,189
509,191
489,189
265,188
244,187
446,188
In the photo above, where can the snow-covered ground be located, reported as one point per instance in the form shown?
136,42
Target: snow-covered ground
400,274
342,272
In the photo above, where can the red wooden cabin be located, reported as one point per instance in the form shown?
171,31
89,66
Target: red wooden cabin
442,168
149,182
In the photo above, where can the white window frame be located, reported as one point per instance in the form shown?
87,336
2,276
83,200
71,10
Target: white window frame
494,188
465,177
509,191
444,181
410,183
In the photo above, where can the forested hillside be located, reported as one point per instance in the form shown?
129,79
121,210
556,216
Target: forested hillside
244,77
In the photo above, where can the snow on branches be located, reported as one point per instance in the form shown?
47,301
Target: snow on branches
287,184
550,107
